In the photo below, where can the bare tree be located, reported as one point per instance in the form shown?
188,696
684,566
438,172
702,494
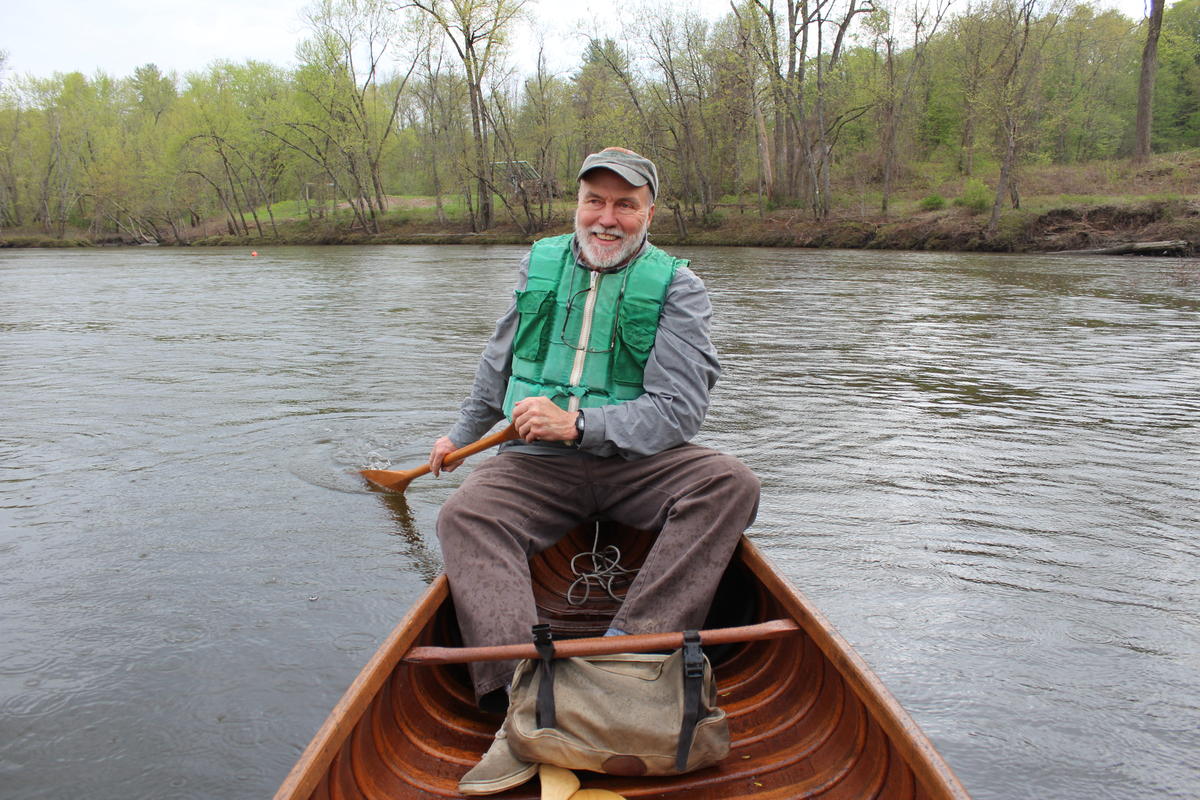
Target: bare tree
477,30
1021,38
898,81
440,97
358,106
794,40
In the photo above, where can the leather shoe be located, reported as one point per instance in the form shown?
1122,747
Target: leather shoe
498,770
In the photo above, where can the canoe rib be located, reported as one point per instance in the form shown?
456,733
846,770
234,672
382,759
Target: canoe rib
808,717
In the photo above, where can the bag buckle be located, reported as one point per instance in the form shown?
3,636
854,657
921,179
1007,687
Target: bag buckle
542,640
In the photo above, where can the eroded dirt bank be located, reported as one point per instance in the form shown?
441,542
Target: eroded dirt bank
1058,230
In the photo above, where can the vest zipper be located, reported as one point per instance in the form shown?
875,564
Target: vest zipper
585,337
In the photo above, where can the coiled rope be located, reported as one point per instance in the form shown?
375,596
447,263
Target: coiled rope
603,572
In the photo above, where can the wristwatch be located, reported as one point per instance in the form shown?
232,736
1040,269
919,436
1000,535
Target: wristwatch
579,428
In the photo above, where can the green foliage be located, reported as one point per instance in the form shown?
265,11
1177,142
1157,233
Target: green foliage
243,146
1089,80
1177,89
976,197
934,202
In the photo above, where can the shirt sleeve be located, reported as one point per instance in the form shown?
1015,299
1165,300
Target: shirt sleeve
681,371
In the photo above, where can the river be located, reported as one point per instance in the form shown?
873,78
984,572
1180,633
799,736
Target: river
984,469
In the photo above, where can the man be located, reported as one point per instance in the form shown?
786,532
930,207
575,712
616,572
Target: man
604,364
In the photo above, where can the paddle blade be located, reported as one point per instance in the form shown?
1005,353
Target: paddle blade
398,480
596,794
557,783
391,479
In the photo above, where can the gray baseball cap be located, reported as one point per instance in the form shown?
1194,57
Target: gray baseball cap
639,171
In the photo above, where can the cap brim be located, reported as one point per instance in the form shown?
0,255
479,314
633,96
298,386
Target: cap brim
631,177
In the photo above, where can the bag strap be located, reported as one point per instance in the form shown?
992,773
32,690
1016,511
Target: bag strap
693,683
545,697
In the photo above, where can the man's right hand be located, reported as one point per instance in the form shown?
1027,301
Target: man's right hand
442,448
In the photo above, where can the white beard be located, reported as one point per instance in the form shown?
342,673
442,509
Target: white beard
629,245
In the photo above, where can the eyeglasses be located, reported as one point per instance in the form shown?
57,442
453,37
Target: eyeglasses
571,305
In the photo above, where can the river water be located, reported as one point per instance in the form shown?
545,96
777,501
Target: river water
984,469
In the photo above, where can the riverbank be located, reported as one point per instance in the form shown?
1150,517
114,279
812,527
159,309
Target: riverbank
1091,207
1073,228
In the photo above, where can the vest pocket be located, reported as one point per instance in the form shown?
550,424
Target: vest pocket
632,349
536,307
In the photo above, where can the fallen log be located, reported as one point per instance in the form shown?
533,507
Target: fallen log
1174,247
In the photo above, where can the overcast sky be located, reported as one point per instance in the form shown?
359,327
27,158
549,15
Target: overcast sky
44,37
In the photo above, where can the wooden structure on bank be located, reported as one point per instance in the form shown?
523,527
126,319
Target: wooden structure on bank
808,718
521,176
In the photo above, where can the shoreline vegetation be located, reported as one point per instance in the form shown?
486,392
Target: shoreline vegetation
1131,209
1006,126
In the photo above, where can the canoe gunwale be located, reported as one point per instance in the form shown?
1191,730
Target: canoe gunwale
914,746
333,733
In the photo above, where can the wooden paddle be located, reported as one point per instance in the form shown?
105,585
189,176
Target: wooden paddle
397,480
557,783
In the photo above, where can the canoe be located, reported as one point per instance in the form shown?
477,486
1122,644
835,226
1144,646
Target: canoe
807,716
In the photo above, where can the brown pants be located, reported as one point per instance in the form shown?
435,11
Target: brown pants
514,506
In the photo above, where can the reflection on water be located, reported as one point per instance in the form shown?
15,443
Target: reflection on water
983,468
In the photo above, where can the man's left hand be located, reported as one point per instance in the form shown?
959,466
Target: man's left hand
538,419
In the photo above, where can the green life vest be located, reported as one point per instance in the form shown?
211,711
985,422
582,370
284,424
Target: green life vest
554,306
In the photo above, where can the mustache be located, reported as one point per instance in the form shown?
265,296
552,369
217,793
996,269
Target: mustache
597,228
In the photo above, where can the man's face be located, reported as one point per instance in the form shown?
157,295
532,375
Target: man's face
611,219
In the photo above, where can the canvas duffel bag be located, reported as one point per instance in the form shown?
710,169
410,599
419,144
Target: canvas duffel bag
626,714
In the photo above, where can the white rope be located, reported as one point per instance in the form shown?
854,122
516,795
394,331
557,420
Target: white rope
605,570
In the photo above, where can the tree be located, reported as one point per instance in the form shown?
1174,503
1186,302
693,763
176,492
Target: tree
545,124
803,38
440,98
969,59
1020,38
155,92
227,110
1088,86
10,128
1146,83
352,109
607,100
1141,146
789,99
477,29
895,95
1177,90
680,95
75,115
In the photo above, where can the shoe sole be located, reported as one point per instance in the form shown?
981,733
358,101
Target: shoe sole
497,785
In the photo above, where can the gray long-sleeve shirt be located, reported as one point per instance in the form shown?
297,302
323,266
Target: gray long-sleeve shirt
679,374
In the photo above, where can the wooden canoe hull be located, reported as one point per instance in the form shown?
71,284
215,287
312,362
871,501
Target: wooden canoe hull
807,716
